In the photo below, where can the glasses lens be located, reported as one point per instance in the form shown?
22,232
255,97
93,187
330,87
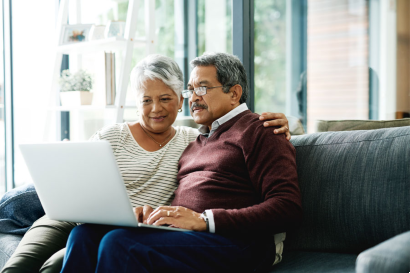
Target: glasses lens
200,91
187,94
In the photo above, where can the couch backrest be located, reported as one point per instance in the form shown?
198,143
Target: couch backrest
351,125
355,189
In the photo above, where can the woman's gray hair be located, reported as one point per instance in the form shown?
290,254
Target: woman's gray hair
229,70
159,67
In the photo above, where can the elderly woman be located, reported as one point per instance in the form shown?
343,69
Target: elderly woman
147,153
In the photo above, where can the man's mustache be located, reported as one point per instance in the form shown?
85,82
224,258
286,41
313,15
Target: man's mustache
197,105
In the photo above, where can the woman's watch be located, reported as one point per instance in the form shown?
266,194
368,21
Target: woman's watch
203,216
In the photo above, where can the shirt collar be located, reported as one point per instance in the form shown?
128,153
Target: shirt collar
204,130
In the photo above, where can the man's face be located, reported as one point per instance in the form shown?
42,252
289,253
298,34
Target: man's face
215,103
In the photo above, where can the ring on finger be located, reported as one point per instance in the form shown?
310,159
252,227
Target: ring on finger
168,213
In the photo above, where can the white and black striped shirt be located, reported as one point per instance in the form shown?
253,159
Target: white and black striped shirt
150,177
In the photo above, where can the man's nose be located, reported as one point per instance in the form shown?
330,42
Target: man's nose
195,97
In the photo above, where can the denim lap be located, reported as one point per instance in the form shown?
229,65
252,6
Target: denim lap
100,248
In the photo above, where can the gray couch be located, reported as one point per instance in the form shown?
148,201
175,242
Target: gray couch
8,243
355,189
355,193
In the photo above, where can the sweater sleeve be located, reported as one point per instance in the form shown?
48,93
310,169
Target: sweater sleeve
271,164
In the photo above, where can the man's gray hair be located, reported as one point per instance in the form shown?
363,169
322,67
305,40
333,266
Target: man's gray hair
160,67
229,70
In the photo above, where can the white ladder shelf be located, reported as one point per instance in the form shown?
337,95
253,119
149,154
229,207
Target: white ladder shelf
125,43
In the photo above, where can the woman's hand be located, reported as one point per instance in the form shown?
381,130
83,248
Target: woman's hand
142,213
276,119
177,217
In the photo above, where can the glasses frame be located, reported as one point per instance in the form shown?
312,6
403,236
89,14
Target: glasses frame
199,91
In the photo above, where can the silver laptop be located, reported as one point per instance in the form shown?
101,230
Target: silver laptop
81,182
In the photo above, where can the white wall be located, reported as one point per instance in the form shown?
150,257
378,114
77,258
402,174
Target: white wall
33,47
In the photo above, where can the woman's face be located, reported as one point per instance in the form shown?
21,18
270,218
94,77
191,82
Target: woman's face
159,106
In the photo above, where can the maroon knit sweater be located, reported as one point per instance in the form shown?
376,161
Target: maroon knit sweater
245,174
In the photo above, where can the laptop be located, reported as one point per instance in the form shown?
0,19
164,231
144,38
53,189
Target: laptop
81,182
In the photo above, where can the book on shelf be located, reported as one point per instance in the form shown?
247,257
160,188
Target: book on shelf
110,78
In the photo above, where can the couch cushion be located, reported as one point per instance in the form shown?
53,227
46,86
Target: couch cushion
315,262
19,208
391,256
350,125
355,187
8,243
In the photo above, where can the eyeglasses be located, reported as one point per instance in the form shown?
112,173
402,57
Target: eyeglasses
199,91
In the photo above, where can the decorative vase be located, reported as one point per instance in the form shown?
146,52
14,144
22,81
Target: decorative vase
76,98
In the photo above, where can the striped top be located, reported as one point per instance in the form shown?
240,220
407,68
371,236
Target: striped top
149,177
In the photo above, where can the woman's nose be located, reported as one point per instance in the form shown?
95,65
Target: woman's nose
156,106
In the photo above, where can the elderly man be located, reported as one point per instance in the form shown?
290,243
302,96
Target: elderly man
235,191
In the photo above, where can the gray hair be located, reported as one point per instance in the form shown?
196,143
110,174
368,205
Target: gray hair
229,70
160,67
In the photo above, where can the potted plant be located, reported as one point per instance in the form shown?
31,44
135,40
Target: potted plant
75,88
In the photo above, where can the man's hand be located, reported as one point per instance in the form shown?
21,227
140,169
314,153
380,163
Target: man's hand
276,119
177,217
142,213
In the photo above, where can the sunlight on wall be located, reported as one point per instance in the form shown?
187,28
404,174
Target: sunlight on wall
33,53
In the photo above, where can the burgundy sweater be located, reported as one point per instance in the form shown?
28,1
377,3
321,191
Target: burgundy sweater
245,174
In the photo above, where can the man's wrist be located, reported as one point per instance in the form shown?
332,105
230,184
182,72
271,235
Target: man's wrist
205,218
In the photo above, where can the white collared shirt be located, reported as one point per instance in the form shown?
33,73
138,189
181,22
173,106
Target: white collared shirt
204,130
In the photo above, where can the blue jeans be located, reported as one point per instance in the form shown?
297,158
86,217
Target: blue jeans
98,248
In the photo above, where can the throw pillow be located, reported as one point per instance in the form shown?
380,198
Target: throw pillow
19,209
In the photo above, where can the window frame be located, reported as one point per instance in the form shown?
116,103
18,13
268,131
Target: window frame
8,94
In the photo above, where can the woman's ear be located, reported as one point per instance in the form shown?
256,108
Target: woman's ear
236,91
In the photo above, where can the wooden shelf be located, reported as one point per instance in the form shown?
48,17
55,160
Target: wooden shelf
109,44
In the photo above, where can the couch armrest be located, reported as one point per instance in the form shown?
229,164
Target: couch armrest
390,256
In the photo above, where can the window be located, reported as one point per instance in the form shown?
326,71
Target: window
332,59
270,56
32,71
214,26
337,60
2,125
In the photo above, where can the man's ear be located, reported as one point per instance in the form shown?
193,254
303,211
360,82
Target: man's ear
236,93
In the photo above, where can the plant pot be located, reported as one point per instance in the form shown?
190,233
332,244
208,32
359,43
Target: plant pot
76,98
